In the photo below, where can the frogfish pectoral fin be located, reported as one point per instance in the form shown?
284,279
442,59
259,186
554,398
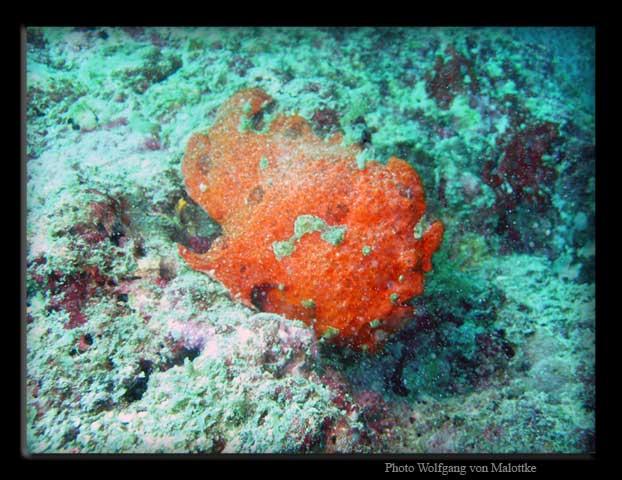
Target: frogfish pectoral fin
198,261
430,242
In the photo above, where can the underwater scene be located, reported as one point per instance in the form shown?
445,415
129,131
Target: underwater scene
309,240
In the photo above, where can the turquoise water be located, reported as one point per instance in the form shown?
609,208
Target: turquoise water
129,350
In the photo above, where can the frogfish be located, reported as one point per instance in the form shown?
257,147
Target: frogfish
308,230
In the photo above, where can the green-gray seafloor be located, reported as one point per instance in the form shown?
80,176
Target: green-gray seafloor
128,350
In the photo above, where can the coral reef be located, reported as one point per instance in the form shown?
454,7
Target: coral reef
299,214
451,77
129,349
521,177
275,402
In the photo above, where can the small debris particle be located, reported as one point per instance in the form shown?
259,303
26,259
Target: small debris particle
334,235
308,303
307,224
375,323
263,163
330,333
283,249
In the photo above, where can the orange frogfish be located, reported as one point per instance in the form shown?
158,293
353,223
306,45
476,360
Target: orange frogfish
308,230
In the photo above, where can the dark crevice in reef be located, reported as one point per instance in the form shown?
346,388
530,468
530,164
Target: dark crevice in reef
259,295
396,380
179,352
260,119
137,387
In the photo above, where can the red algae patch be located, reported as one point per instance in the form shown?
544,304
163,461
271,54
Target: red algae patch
309,232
